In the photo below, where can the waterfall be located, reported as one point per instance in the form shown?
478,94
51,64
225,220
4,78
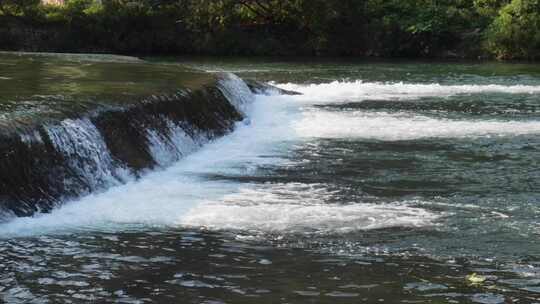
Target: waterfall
85,152
170,146
74,156
236,91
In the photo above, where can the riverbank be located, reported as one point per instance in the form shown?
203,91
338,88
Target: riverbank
390,29
61,37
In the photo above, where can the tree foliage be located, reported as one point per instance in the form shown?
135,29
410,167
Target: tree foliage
515,31
426,28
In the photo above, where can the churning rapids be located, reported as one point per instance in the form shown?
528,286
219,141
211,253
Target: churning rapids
376,183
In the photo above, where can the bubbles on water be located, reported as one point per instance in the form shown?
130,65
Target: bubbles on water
338,91
387,126
300,208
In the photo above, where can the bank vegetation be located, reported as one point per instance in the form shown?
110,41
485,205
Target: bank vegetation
503,29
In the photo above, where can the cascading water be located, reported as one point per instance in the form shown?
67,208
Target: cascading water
237,92
380,190
274,119
87,152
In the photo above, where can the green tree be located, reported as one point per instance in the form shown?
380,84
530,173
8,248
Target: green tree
515,32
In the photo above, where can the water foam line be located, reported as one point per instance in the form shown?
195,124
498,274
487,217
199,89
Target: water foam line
339,91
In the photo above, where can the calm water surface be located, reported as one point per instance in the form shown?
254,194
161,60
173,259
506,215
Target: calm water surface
382,183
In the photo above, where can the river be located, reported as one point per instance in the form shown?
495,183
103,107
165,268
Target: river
383,182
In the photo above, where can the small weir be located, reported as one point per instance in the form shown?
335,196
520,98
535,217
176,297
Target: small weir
58,147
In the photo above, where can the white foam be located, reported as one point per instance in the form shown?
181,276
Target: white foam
161,198
321,218
386,126
299,208
188,194
321,123
338,91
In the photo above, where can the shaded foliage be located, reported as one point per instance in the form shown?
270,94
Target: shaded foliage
391,28
515,31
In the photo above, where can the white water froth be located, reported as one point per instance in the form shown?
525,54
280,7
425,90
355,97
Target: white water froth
386,126
338,91
174,144
163,197
321,123
321,219
300,208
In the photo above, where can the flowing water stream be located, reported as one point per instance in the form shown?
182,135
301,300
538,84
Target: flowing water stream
381,183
